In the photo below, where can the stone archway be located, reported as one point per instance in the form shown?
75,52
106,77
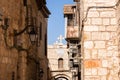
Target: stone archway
61,77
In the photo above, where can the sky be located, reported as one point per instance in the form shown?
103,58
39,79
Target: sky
56,19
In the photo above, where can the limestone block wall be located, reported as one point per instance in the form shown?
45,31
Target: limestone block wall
54,53
118,30
100,41
13,64
8,58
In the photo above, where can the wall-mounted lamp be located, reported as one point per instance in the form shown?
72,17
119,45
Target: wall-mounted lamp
29,28
32,33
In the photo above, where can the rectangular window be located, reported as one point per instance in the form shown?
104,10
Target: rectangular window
39,33
45,44
60,63
70,21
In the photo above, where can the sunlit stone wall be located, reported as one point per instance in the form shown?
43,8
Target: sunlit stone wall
100,40
56,52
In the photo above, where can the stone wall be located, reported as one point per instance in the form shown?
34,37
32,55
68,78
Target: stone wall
55,52
14,64
8,58
100,40
118,31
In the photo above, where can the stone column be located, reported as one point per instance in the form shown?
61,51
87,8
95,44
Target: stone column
22,65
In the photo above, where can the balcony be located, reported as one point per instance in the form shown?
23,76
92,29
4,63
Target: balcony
71,22
72,33
68,9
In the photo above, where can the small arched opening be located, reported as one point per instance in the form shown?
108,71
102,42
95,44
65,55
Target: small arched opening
60,63
61,78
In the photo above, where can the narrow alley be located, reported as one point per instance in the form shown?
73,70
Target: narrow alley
59,40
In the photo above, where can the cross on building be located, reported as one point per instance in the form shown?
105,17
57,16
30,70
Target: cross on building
60,38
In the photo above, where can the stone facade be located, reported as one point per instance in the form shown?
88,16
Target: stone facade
99,22
55,52
19,59
100,40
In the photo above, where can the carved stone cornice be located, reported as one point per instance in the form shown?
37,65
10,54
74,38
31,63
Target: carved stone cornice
41,4
45,11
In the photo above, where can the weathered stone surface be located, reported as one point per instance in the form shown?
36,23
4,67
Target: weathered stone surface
87,54
100,35
108,14
56,52
92,63
87,35
111,28
106,21
12,63
92,78
94,71
88,71
88,44
104,63
94,54
102,53
99,44
113,21
96,21
88,22
93,14
103,26
91,28
103,77
102,71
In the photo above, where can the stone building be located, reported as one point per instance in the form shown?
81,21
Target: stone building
23,40
97,34
58,61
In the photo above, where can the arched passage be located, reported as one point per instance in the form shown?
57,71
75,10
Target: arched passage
61,77
60,63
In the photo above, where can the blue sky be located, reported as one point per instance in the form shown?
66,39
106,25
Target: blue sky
56,19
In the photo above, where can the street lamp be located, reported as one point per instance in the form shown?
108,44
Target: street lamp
32,32
33,36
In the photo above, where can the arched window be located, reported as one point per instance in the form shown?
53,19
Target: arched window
60,63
